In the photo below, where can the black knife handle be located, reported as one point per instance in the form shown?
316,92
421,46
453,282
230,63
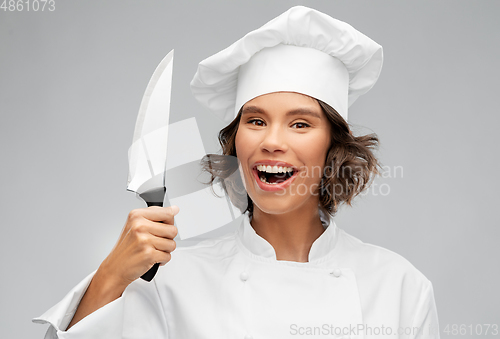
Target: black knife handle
149,275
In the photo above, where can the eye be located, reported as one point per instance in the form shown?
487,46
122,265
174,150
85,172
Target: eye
301,125
256,122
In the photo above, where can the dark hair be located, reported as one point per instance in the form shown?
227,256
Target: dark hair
350,165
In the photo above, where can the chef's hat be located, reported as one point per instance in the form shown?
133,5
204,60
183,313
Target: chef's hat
303,51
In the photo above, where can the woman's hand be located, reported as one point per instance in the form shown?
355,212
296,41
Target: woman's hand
146,239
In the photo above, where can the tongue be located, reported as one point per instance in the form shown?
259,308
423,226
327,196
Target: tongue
276,178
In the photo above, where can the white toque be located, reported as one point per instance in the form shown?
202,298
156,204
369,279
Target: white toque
303,51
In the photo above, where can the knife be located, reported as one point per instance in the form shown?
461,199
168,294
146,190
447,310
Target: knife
148,154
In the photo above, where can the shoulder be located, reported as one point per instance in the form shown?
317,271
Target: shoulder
210,249
388,284
377,263
203,261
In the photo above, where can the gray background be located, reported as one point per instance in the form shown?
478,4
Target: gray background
71,82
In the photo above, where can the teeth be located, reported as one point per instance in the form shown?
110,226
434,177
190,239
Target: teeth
263,179
273,169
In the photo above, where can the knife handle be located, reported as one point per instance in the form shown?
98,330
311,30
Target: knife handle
149,275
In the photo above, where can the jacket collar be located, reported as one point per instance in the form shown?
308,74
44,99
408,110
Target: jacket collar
257,245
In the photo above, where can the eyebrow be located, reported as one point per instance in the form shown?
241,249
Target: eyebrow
298,111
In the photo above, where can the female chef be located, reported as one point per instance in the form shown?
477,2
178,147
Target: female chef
288,271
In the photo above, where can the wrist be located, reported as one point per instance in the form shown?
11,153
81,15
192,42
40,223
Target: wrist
108,285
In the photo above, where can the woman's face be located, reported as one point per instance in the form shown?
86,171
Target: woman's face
288,134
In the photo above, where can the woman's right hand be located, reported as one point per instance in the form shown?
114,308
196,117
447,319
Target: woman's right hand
146,239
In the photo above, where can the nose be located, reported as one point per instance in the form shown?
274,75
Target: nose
274,140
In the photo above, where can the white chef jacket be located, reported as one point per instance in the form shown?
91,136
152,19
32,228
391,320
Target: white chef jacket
233,287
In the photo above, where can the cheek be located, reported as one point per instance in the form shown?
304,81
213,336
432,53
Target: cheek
313,154
237,143
242,144
243,149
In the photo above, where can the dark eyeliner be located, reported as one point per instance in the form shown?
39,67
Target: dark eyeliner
250,121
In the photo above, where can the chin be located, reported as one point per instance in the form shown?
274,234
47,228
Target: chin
277,204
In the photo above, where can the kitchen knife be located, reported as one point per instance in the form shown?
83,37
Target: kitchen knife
148,153
174,174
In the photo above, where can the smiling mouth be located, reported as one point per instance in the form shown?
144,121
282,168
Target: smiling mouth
273,175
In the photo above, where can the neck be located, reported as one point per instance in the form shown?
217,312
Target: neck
291,234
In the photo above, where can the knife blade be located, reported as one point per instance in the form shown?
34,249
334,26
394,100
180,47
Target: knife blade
148,153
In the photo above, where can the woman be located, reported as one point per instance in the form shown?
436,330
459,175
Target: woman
288,271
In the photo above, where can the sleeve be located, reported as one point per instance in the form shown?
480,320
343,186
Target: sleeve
425,321
138,313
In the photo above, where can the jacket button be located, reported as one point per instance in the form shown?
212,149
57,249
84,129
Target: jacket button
244,277
336,273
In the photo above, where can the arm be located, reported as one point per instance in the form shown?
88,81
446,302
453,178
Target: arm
426,318
101,291
138,313
146,239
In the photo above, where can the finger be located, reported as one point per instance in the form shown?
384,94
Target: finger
164,245
160,214
162,230
162,257
143,227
